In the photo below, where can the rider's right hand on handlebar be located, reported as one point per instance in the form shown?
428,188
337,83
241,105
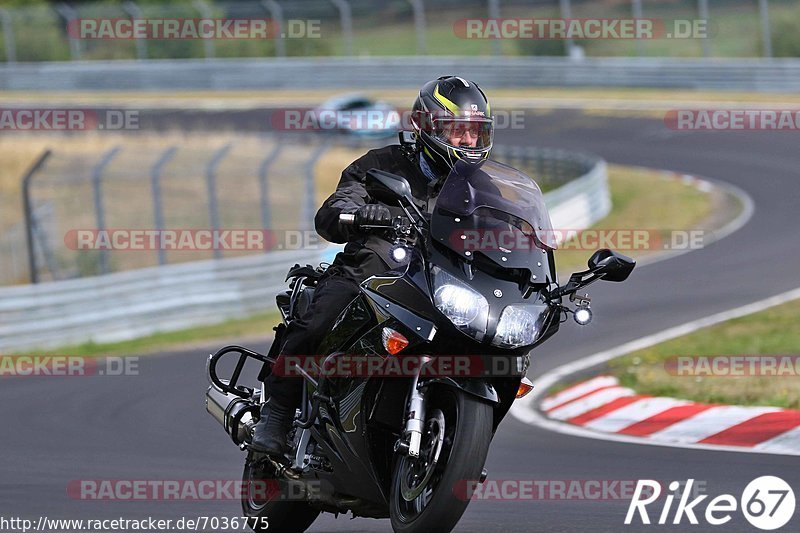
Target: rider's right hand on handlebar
373,215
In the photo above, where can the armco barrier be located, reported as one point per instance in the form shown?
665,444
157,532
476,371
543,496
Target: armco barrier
136,303
393,72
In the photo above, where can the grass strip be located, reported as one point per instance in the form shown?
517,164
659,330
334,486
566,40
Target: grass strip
772,332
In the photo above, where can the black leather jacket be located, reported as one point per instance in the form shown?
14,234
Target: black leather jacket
366,255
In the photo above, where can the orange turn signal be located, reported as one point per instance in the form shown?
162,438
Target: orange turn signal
525,387
393,341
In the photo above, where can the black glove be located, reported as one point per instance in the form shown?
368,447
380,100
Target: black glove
373,215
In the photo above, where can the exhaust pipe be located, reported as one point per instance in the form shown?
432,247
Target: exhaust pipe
237,415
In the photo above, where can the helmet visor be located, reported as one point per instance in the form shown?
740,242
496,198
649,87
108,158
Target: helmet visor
463,133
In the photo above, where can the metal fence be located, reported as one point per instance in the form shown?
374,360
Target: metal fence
779,75
740,28
254,183
241,183
126,305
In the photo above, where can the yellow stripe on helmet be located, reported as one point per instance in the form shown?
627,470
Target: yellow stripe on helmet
452,107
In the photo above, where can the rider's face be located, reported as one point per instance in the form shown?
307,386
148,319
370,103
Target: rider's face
463,134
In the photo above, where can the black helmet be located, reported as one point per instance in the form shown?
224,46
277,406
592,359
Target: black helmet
452,120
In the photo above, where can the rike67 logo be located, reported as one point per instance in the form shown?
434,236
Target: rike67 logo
767,503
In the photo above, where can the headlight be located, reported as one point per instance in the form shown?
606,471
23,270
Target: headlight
467,309
519,325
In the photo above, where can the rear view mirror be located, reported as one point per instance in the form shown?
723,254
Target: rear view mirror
387,187
604,264
612,266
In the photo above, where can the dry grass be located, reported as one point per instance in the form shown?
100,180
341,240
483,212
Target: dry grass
329,169
20,150
642,199
770,332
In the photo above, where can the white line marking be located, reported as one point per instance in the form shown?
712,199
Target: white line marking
709,422
593,401
578,390
633,413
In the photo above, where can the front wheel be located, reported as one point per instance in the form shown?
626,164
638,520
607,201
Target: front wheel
425,493
264,501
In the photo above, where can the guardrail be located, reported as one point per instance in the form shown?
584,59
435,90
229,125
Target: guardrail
401,72
126,305
136,303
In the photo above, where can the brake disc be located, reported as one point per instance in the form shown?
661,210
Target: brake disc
416,473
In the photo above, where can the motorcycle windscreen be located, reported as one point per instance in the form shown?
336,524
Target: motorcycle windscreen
497,211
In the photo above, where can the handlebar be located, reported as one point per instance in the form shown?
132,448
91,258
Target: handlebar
400,225
349,219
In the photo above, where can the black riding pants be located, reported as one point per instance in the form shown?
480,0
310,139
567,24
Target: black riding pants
334,291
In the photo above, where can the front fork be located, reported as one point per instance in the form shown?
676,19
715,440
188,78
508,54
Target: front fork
415,421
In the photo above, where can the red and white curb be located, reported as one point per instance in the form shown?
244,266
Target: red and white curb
534,411
601,404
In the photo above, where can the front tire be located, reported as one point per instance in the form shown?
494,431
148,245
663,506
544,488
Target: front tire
438,505
262,501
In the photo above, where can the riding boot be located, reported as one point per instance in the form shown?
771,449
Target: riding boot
269,434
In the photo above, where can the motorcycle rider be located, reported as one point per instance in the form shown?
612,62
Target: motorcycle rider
452,121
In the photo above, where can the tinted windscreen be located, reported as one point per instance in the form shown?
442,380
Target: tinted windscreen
497,211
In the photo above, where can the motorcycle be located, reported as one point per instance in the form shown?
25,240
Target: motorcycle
445,336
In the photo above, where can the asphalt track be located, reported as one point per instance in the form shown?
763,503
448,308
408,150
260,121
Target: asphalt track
154,426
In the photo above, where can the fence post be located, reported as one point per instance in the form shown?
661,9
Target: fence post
346,17
97,192
211,186
310,204
566,13
516,156
540,165
419,25
8,35
206,13
766,31
155,185
70,15
263,171
27,205
636,10
494,13
276,12
702,9
129,7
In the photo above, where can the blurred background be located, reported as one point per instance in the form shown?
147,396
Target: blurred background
36,30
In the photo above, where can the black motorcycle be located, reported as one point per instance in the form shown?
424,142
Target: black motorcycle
419,369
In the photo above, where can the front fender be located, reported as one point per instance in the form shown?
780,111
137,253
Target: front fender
475,387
